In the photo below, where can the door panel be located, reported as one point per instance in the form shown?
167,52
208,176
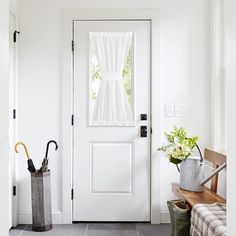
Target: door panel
111,174
119,158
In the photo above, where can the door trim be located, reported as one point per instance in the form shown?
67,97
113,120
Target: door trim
14,123
67,101
218,85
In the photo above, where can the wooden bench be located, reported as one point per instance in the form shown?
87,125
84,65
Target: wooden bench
209,195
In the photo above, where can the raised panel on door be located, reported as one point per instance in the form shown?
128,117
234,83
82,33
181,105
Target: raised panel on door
111,168
111,164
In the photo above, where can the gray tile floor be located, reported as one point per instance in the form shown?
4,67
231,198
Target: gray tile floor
97,229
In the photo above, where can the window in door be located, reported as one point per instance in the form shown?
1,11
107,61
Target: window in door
111,80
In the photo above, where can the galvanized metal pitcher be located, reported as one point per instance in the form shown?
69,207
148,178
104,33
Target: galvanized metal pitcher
192,173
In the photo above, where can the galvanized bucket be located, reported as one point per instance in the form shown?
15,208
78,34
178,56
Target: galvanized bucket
41,201
191,174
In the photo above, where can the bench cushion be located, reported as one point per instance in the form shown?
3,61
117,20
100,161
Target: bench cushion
208,219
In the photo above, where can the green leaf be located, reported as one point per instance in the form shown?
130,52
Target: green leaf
175,161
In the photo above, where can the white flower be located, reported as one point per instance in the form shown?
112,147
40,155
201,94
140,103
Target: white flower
178,151
179,146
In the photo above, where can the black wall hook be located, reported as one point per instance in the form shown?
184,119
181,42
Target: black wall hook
14,35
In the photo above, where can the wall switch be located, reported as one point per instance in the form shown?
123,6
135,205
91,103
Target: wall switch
169,110
179,110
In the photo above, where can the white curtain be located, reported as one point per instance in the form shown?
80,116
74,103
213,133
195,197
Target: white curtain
112,106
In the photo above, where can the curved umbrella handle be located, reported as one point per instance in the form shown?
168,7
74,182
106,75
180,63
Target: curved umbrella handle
26,151
51,141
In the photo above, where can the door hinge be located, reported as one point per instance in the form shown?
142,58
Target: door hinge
151,130
14,190
72,120
72,194
14,35
14,113
72,45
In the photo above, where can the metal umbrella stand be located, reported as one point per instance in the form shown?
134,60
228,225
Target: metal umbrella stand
41,201
41,195
40,192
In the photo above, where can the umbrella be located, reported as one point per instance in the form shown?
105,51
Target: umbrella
44,166
31,167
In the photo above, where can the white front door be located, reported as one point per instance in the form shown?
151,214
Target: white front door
111,96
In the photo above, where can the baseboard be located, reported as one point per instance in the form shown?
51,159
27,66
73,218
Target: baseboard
26,218
165,217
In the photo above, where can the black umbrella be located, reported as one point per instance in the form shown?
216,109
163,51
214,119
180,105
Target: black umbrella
31,167
44,166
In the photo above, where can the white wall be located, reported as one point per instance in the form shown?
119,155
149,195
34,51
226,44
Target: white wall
4,115
185,71
230,72
185,68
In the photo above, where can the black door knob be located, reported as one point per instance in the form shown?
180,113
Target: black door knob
143,131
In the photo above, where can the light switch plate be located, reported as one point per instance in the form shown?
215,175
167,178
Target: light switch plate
169,110
179,110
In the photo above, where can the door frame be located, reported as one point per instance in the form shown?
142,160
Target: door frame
67,101
14,123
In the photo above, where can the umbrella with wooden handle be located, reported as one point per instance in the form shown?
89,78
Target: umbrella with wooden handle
31,166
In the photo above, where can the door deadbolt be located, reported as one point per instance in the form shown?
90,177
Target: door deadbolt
143,116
